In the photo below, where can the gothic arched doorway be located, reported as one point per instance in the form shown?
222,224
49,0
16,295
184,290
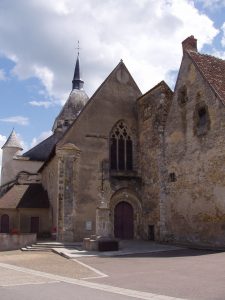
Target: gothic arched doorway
5,224
124,221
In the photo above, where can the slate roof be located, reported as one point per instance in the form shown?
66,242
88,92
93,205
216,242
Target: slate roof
73,106
42,151
213,70
25,196
13,141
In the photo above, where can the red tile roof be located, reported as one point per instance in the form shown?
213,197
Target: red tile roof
213,70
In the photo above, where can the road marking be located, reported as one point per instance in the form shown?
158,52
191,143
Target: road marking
100,274
28,283
92,285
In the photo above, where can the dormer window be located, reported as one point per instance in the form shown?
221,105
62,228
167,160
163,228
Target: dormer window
121,148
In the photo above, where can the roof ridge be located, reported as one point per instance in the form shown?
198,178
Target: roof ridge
208,55
213,71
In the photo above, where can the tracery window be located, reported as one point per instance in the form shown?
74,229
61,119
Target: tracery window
121,148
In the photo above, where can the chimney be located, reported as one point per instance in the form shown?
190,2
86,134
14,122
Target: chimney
190,44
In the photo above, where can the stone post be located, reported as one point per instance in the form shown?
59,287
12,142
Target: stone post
103,226
68,165
162,170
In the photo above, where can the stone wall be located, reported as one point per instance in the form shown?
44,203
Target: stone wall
153,109
19,219
45,219
14,242
195,160
115,100
16,164
49,177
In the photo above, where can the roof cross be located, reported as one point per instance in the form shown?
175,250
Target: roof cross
78,47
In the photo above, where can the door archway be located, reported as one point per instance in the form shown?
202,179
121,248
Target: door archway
124,221
5,224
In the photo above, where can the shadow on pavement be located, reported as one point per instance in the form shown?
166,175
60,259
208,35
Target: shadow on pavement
170,253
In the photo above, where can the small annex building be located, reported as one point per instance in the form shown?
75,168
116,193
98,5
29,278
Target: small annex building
126,165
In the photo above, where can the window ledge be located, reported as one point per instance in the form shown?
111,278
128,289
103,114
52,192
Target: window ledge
124,174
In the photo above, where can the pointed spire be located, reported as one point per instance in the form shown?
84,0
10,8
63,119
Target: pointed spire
77,81
13,141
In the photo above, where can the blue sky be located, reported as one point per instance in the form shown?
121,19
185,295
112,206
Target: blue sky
38,50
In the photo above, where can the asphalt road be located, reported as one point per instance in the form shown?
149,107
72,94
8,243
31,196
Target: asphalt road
187,274
22,283
169,275
56,291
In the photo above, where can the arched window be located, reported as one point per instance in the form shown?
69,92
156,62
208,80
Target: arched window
5,224
121,148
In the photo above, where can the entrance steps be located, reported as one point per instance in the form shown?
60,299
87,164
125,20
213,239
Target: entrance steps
50,246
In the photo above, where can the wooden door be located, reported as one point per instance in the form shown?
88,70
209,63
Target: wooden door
5,224
124,221
34,224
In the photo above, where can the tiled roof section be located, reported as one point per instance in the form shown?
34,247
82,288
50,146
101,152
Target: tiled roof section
34,197
42,151
213,69
13,196
13,141
25,196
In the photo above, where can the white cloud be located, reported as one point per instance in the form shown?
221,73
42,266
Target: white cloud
20,120
212,4
45,104
2,75
220,54
46,76
40,138
147,34
223,38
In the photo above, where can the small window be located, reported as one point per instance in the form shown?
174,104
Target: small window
66,123
202,121
202,117
182,96
172,177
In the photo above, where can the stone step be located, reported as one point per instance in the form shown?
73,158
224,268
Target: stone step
48,246
36,249
57,244
54,246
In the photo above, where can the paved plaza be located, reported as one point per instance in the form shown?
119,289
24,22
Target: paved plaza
159,273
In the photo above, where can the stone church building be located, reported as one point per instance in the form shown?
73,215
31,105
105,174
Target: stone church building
126,165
